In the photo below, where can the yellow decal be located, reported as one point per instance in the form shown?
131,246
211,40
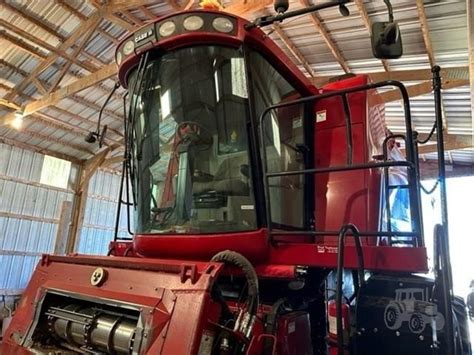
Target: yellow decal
211,5
233,136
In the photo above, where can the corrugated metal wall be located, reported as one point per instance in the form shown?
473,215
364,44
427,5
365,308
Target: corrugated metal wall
29,215
99,216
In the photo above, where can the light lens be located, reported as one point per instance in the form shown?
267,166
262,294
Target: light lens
222,24
128,47
193,23
119,58
167,29
17,122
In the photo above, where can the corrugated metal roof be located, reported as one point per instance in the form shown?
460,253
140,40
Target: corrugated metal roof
448,30
447,25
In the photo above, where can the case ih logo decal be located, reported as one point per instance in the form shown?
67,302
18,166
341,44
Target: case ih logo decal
412,305
144,35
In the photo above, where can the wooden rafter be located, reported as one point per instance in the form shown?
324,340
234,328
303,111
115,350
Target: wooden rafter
83,17
42,89
119,5
119,21
9,104
293,49
40,43
26,15
131,17
368,25
51,58
62,125
55,97
327,38
88,32
422,89
451,142
429,47
61,112
90,68
425,31
147,12
23,45
177,7
245,7
26,35
69,42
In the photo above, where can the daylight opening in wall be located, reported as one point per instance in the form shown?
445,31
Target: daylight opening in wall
55,172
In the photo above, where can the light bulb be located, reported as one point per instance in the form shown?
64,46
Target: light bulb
17,122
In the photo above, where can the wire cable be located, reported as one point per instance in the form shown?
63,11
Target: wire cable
424,141
430,191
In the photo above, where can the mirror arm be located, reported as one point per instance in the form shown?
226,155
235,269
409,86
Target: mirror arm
268,20
390,10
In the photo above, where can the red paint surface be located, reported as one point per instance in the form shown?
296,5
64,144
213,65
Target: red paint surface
171,303
350,196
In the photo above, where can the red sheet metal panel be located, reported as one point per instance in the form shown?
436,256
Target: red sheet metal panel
171,296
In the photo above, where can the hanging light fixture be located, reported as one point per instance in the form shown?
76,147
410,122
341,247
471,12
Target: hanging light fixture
17,122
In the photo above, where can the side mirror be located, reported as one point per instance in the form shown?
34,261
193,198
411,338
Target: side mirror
281,6
386,40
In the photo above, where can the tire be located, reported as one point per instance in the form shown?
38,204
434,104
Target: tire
392,317
416,323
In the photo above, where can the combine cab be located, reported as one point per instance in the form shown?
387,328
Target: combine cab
263,217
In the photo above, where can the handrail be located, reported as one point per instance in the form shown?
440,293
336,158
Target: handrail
410,163
442,270
343,168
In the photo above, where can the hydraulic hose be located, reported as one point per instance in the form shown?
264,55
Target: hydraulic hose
340,266
232,258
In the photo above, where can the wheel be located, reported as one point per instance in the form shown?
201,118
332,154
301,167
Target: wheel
416,323
392,317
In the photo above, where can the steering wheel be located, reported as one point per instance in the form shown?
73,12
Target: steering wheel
194,134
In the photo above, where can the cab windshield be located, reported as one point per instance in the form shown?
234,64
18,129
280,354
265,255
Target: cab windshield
190,152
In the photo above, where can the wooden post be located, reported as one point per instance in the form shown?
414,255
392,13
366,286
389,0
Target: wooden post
63,228
87,171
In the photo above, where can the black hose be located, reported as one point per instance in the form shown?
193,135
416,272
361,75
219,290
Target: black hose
430,191
340,268
236,259
424,141
271,325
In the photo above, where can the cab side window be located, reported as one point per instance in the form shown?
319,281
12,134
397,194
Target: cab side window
283,135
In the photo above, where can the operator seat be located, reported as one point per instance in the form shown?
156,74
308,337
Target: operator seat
230,178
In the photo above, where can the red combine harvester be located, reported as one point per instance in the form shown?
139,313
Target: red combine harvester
267,219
